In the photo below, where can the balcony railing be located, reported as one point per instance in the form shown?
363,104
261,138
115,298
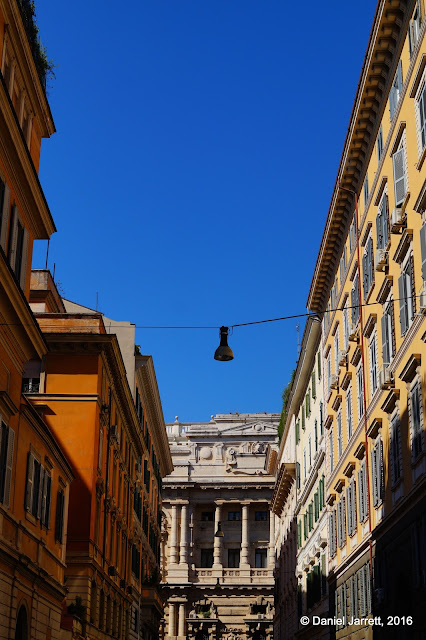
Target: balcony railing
231,576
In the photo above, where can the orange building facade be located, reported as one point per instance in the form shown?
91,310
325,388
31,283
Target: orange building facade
34,473
105,411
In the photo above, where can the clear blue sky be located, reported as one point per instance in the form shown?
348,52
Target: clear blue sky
196,150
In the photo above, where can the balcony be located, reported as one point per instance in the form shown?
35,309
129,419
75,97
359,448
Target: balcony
234,576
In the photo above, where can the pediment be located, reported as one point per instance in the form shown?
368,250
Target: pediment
255,428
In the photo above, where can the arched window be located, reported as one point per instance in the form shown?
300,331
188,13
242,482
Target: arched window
21,632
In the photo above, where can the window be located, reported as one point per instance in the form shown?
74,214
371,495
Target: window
297,431
18,247
346,327
316,435
406,295
7,440
362,493
368,268
298,475
416,420
341,522
60,513
343,266
311,516
382,223
328,365
331,450
363,577
136,561
395,448
388,333
360,397
366,189
352,234
260,558
421,114
423,251
233,558
353,596
395,91
4,212
314,388
379,144
349,412
261,515
332,533
38,490
355,301
206,558
316,506
319,365
414,28
336,351
377,473
304,465
399,173
372,348
299,534
339,435
321,409
351,498
234,515
310,451
207,516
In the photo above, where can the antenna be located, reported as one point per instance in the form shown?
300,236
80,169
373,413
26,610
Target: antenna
97,300
47,252
54,269
298,341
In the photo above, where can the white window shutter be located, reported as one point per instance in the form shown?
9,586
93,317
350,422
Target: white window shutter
5,217
368,584
362,590
399,176
343,501
14,237
23,274
9,466
423,250
354,506
402,304
30,479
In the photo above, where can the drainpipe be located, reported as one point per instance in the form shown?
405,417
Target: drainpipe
364,394
107,477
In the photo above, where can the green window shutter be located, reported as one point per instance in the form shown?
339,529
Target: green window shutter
303,417
316,504
297,431
314,390
319,365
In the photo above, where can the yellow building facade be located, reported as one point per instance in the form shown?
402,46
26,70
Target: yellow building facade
370,277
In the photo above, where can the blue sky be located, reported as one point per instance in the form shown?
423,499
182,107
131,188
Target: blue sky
196,150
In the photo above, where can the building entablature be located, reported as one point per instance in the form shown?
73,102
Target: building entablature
283,487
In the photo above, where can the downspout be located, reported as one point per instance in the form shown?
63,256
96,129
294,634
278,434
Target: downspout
364,394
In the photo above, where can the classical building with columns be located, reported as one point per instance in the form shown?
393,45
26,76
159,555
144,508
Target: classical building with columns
218,534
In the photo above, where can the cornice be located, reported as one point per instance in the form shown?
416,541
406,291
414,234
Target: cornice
22,172
148,386
382,54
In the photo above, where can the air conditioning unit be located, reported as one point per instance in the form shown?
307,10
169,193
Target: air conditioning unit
334,381
342,357
385,378
381,260
397,219
422,299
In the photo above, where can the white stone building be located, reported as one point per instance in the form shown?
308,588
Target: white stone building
220,586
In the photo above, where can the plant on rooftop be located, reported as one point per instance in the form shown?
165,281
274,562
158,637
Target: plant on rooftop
285,397
44,66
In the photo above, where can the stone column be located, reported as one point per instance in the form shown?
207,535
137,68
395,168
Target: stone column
271,550
183,559
172,619
244,560
181,627
173,537
217,550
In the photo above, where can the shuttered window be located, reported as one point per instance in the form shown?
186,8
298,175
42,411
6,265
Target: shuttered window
349,412
416,421
382,223
406,300
379,144
387,325
332,533
60,513
362,493
423,250
339,435
395,448
377,473
314,386
366,190
421,110
360,392
351,507
355,302
341,522
372,347
38,492
18,247
4,213
414,28
7,442
368,268
331,450
399,177
395,91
